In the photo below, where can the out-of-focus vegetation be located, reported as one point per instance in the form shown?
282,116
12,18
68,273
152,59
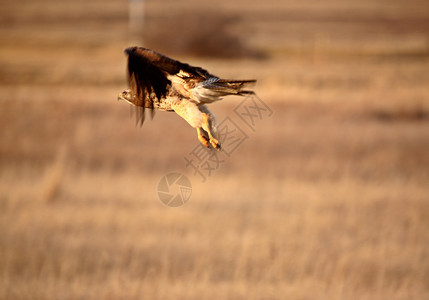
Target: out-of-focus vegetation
328,199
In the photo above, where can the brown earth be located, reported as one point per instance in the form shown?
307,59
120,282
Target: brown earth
327,198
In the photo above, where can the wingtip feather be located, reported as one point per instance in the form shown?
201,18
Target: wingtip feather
130,50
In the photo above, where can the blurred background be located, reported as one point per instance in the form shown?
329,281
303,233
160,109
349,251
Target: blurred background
327,199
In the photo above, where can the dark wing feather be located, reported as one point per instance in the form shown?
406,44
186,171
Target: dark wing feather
147,75
146,80
166,64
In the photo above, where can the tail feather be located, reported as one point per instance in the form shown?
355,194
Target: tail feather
229,87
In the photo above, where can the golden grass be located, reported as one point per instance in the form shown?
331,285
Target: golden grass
328,199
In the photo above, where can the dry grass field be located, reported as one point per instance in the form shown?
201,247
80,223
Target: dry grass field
328,198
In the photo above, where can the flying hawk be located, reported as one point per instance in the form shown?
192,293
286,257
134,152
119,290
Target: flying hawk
158,82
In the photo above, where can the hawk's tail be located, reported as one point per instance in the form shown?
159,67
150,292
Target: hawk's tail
230,87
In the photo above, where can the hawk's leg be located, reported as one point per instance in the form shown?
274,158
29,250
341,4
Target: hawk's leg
190,112
203,138
209,125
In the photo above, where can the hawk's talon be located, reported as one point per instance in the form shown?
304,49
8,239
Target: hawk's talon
215,144
204,140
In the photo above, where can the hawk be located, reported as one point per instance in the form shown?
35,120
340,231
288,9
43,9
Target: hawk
159,82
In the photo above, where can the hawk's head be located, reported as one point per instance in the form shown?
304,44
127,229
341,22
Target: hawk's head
128,96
